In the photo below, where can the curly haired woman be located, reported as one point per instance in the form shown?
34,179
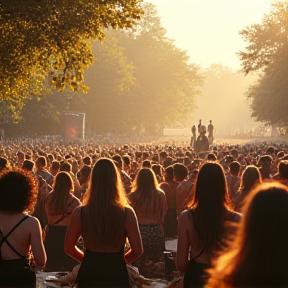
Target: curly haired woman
20,233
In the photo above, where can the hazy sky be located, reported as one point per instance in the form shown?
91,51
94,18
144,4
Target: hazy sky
208,29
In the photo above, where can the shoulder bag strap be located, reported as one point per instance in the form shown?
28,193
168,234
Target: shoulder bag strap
64,215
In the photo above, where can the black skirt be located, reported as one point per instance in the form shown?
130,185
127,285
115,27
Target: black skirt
196,275
170,225
16,273
103,270
57,259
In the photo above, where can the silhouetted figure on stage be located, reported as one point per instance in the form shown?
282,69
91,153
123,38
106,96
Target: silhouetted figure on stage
210,133
202,143
200,126
193,137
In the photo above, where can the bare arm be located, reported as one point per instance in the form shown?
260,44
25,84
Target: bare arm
134,237
72,235
165,208
37,246
183,244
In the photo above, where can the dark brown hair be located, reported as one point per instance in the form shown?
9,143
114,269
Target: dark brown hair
62,187
210,204
18,190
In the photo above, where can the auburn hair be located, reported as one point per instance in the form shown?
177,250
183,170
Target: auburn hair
62,187
104,205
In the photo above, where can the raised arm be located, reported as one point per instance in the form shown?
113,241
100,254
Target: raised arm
72,235
134,237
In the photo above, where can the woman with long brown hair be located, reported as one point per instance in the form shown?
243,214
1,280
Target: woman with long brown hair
202,227
258,257
251,177
59,205
104,222
149,203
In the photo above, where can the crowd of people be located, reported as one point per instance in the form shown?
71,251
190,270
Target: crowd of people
101,207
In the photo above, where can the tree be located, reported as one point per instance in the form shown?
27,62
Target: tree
139,79
50,37
110,77
166,81
267,55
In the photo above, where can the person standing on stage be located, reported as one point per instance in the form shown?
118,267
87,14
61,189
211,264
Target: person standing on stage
210,132
200,126
193,138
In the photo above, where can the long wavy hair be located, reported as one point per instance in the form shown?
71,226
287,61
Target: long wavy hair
62,187
210,204
258,257
251,176
104,205
145,194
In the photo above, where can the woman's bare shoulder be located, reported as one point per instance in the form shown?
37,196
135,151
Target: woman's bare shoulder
186,214
161,192
48,196
76,202
129,211
31,222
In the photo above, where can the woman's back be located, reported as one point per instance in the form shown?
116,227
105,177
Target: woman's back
99,243
148,213
20,238
19,232
104,222
258,257
59,205
149,204
70,203
202,228
197,248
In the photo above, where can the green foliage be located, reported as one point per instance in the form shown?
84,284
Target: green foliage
139,79
50,37
166,82
267,54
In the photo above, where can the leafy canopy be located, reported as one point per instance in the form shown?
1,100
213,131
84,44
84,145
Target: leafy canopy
267,55
51,37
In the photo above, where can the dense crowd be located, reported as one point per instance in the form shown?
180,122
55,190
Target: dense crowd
98,207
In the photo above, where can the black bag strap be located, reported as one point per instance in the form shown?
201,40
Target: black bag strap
201,252
64,215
